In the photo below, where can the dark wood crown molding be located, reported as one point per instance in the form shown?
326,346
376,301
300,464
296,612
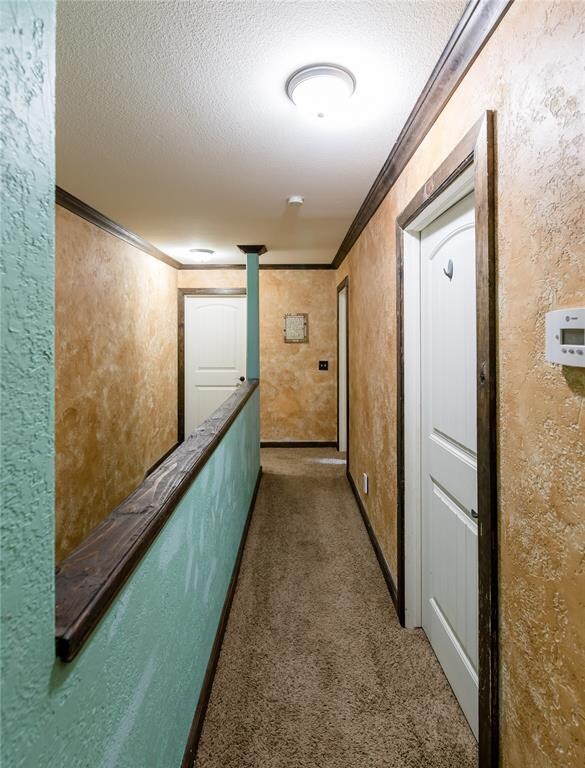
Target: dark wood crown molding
477,24
262,266
259,249
211,266
73,204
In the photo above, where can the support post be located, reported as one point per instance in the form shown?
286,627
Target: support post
253,253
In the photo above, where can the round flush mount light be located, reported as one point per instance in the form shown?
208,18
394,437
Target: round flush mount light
202,251
320,89
295,200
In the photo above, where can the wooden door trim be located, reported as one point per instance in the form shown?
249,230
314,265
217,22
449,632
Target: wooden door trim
181,293
475,27
477,148
344,284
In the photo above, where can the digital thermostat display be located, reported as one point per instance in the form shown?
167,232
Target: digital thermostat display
565,336
573,336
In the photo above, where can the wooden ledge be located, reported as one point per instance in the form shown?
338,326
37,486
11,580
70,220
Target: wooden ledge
89,579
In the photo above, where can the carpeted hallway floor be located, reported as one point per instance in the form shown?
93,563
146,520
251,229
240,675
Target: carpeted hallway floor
315,671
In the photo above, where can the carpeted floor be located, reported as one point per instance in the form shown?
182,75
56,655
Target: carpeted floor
315,671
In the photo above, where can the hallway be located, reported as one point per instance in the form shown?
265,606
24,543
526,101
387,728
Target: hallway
315,670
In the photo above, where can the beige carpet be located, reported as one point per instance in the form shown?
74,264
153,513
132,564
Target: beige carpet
315,671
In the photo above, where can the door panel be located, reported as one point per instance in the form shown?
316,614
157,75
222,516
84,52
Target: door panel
449,448
215,354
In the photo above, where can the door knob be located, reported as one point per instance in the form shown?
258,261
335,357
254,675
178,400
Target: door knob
474,514
242,378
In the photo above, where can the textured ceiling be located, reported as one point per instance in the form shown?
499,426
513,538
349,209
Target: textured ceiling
172,117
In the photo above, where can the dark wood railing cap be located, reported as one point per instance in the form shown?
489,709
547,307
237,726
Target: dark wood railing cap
89,579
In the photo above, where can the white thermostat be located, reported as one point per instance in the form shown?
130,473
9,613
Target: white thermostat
565,336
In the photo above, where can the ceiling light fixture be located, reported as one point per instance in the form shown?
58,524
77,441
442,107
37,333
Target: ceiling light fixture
206,251
320,89
295,200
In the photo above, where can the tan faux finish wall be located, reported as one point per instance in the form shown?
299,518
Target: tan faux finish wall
211,278
116,372
531,73
297,401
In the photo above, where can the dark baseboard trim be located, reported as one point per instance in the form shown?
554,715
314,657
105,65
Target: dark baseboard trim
199,717
475,27
375,544
158,462
298,444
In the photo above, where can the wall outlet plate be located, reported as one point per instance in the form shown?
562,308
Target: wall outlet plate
365,483
323,365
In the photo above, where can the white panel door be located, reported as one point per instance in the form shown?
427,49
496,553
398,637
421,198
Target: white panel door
449,449
215,353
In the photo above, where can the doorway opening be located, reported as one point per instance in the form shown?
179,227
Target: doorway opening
343,368
447,461
211,351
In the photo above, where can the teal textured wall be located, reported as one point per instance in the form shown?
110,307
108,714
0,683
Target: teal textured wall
27,55
129,697
253,316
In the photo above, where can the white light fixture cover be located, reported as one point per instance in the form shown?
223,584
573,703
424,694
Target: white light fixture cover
203,254
320,90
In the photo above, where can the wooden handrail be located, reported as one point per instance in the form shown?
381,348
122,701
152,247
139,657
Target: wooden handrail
88,580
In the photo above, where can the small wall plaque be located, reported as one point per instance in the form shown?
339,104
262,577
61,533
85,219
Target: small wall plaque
296,328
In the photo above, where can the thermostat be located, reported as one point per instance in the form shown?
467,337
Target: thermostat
565,336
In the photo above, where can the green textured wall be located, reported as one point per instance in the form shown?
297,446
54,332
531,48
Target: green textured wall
128,699
253,316
27,77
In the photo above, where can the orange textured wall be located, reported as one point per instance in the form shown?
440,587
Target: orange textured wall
115,372
531,74
297,401
211,278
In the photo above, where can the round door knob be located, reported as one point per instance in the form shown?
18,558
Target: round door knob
242,378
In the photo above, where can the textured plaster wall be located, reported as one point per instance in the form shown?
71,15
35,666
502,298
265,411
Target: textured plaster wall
531,73
129,697
298,402
211,278
115,372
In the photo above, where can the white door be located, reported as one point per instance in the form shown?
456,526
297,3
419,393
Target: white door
215,353
449,449
342,383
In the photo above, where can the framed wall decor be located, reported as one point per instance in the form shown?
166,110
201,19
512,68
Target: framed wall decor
296,328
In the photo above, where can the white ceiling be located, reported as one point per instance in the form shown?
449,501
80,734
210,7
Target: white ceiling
172,117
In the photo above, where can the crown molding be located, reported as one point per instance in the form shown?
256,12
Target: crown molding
77,206
478,22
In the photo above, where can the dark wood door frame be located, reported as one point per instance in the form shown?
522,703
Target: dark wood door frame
182,292
477,148
344,284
